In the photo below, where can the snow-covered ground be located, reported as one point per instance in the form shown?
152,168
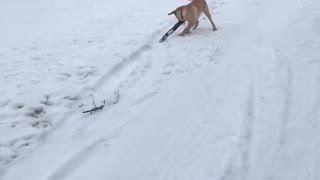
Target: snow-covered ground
239,103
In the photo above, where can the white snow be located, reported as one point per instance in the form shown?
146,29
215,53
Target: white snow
239,103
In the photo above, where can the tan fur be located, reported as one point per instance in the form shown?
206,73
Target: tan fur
191,13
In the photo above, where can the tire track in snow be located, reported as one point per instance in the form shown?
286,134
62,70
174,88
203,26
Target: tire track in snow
286,115
316,107
133,57
287,105
316,27
74,162
247,133
238,164
173,153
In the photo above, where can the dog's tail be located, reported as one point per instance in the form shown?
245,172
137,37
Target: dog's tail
173,12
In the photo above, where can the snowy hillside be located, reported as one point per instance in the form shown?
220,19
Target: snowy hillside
242,102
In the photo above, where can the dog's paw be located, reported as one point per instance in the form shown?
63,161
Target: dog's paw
214,29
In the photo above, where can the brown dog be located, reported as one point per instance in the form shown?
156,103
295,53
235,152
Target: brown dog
191,13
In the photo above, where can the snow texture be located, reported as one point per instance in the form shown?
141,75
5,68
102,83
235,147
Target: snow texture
240,103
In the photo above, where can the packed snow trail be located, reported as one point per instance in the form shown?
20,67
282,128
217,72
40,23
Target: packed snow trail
239,103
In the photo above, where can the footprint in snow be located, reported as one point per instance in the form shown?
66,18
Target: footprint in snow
63,76
17,106
4,102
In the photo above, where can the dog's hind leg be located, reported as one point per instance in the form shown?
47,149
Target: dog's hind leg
197,23
207,13
187,29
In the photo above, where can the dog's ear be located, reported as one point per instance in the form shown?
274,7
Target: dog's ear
173,12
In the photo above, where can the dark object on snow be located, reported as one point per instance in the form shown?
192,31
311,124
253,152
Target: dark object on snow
94,109
174,28
105,103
